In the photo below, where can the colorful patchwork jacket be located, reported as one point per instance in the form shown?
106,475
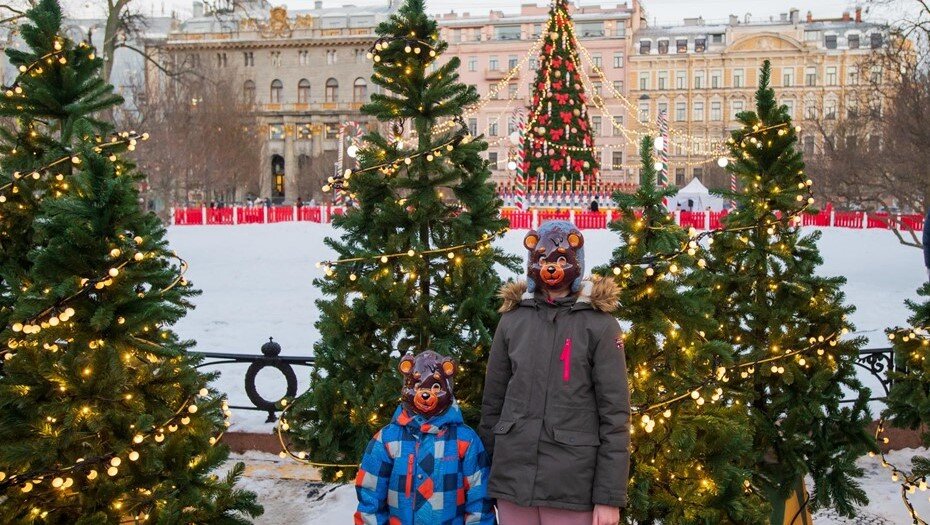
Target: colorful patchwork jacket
419,471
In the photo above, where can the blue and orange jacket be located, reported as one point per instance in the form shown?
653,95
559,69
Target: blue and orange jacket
419,471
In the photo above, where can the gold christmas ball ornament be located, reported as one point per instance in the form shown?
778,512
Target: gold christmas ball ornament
576,112
554,35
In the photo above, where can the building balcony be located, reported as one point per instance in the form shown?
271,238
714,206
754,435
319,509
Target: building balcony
302,107
494,74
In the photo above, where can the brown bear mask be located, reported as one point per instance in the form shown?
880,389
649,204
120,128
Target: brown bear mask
427,383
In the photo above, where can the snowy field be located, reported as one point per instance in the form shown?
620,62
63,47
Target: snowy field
257,282
290,496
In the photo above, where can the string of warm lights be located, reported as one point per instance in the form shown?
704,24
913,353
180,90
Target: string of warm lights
62,476
909,482
341,181
303,457
36,66
128,139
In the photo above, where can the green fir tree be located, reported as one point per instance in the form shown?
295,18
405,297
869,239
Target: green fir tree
103,417
786,321
687,456
427,193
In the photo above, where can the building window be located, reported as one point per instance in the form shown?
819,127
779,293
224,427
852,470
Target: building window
360,90
852,41
810,110
698,173
492,127
787,77
644,47
831,76
681,81
697,111
249,58
852,75
303,58
618,86
810,76
616,160
829,41
662,79
875,75
699,80
507,32
829,110
789,108
679,176
662,107
715,111
277,87
808,142
512,90
537,29
492,159
738,78
221,60
737,108
493,63
331,56
618,60
717,39
700,44
248,92
512,61
303,91
276,58
663,47
597,61
534,64
681,111
643,81
332,90
681,45
644,112
473,63
875,40
473,126
715,79
617,126
811,36
590,29
597,86
596,126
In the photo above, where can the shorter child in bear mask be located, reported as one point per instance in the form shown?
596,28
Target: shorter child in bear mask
426,466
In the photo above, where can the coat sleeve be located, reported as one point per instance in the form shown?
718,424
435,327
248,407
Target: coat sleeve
612,393
476,469
371,483
495,387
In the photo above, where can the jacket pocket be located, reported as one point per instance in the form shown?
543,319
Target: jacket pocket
503,427
575,438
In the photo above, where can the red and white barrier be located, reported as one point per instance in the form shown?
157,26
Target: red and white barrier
524,220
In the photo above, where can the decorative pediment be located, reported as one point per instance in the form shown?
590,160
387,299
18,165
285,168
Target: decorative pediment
765,42
278,25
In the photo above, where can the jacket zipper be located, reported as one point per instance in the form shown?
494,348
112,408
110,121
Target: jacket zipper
409,474
566,358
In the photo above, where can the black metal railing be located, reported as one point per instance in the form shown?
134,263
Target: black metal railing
878,362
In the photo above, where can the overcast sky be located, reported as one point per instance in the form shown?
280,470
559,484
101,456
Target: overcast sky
661,11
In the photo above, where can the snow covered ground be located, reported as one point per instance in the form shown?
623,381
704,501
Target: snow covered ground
257,282
291,496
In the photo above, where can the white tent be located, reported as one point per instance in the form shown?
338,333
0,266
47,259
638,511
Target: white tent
695,197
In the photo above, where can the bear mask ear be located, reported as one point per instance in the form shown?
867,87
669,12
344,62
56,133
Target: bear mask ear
575,240
531,240
406,364
449,368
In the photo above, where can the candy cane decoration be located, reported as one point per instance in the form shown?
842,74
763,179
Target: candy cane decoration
520,187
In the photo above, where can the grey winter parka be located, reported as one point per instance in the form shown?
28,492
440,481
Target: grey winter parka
556,407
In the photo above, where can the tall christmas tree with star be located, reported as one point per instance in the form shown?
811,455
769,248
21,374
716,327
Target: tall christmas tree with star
415,267
689,442
558,143
788,324
103,415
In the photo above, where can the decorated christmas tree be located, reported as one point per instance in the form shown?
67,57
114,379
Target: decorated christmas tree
687,451
908,401
558,143
416,265
788,324
103,417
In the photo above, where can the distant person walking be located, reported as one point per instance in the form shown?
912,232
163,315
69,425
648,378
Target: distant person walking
594,206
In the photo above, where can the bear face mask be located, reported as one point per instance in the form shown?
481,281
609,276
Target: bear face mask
555,258
427,383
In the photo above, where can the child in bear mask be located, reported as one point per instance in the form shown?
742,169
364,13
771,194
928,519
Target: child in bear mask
426,466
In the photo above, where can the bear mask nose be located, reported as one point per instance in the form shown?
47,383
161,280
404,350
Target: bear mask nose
425,395
551,269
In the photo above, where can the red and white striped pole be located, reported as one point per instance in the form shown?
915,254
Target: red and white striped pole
520,182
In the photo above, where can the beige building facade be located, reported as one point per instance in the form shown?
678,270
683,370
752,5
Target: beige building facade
702,75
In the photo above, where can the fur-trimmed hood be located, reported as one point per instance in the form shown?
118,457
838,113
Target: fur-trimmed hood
601,293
